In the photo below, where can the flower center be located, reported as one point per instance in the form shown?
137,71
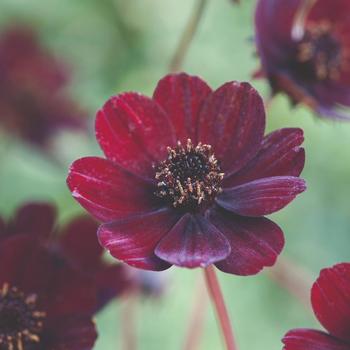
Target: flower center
190,176
20,321
322,52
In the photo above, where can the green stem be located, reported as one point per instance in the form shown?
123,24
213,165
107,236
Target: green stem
187,36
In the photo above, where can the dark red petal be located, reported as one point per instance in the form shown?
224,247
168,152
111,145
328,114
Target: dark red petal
73,333
68,292
26,264
330,296
79,243
134,238
232,120
261,197
35,219
255,242
280,155
181,96
14,253
193,242
308,339
107,191
111,280
134,132
336,11
273,27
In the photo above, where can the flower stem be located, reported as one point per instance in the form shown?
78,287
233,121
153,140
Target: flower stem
293,278
197,317
128,322
187,36
220,307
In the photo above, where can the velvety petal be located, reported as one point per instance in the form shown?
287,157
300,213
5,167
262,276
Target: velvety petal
181,96
68,292
261,197
134,132
330,298
336,11
79,243
333,113
14,252
134,238
334,99
34,219
255,242
232,121
280,155
308,339
273,26
26,264
193,242
107,191
73,333
111,280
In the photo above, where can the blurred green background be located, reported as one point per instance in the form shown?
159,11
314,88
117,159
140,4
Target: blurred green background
118,45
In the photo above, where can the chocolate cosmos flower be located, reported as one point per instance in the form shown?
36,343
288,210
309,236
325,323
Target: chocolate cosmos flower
32,100
76,243
330,296
315,68
189,177
44,302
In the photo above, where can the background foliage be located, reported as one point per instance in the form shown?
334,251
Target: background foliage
113,46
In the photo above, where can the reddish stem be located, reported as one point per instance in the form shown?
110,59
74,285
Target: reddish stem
197,317
128,322
220,307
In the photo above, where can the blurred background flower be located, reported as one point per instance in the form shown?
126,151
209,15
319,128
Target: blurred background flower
117,45
33,103
75,244
45,301
312,63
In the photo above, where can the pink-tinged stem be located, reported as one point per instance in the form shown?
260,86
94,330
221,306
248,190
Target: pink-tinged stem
187,36
128,321
293,278
220,307
197,317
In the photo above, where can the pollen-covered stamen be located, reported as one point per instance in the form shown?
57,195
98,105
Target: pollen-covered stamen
21,323
323,51
189,176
